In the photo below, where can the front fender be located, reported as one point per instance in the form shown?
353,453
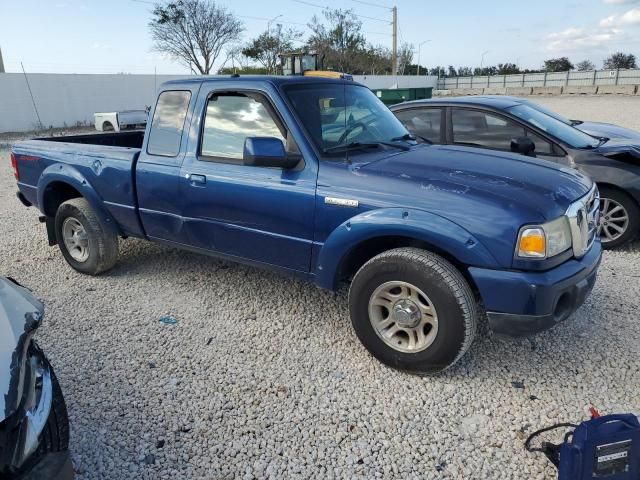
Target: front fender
437,231
68,174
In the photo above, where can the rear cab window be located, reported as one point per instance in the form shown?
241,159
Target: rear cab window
167,125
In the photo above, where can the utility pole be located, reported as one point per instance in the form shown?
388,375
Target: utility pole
1,62
394,54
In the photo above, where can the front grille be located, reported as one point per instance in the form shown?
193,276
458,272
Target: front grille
583,217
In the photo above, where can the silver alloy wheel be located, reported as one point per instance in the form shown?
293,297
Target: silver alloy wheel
403,317
614,220
75,239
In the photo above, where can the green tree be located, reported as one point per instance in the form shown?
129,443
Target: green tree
507,69
585,66
561,64
620,60
266,47
194,32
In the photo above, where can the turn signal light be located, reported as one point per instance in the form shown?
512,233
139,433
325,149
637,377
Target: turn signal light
532,243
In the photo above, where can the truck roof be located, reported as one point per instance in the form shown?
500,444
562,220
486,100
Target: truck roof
276,80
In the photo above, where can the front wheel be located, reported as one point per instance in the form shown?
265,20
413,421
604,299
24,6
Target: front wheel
413,310
619,218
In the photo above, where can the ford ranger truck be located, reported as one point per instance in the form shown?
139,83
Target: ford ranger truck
316,178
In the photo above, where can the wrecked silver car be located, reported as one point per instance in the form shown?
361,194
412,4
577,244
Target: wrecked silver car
34,427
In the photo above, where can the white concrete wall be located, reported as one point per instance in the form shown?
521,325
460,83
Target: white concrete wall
66,100
375,82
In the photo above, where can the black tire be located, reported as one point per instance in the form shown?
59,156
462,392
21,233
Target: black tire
447,290
102,243
55,436
633,212
107,127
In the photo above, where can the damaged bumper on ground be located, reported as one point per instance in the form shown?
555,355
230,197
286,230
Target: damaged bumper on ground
31,403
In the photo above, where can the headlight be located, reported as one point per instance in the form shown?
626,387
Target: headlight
544,241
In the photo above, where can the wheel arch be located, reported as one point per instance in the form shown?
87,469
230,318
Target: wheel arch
59,183
363,237
613,186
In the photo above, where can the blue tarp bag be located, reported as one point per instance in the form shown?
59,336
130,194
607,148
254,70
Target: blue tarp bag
602,448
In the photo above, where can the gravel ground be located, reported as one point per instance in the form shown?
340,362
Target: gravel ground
262,376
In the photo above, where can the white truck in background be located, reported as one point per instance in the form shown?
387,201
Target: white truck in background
118,121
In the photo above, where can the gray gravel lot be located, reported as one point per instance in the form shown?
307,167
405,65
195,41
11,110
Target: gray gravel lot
264,377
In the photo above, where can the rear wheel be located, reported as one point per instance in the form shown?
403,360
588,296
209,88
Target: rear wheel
619,217
413,310
85,243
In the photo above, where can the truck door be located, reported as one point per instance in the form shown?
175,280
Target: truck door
255,213
158,168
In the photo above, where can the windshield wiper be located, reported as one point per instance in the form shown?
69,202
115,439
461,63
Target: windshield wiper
576,122
359,145
409,136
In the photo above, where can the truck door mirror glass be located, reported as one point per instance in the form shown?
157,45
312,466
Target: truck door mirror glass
266,152
523,146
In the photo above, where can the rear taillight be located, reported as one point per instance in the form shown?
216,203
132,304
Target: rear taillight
14,166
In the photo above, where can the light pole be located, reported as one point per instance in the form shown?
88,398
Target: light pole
270,22
419,47
482,59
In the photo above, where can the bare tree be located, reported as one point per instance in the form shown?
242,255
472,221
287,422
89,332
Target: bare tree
194,32
405,56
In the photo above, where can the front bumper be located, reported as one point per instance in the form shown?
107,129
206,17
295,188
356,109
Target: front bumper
52,466
523,303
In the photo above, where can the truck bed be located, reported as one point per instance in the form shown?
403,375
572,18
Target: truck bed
132,139
101,163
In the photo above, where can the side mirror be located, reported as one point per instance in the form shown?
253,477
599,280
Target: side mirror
523,146
266,152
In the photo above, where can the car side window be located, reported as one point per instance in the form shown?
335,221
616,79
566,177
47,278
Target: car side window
167,125
543,146
482,129
422,122
232,117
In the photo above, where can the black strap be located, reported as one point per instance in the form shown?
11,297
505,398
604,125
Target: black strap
550,450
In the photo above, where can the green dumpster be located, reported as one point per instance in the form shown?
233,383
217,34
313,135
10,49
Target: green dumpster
399,95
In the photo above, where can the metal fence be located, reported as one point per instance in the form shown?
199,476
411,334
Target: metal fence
545,79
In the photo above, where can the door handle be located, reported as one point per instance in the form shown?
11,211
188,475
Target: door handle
197,180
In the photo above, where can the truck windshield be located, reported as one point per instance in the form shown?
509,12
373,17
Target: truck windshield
338,114
563,132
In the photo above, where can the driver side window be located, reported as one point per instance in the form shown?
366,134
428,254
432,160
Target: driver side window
232,117
482,129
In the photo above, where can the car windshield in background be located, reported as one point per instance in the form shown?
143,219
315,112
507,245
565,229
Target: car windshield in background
341,115
545,110
566,133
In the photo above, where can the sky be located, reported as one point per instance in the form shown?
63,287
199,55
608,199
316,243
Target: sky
97,36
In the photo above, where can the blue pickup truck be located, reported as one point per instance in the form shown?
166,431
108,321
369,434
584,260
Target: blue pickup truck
316,178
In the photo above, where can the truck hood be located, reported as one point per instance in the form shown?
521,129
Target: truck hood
608,130
495,177
20,316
